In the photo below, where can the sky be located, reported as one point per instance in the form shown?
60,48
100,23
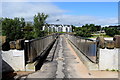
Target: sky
75,13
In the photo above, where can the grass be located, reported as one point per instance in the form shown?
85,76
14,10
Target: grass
107,69
95,36
113,70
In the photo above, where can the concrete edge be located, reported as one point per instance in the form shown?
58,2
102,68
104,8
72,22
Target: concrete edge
84,59
33,65
51,54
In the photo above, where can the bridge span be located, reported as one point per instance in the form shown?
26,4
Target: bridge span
64,56
63,62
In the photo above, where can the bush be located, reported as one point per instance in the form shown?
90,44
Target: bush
112,31
84,32
11,28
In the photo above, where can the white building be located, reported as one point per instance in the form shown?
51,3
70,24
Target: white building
57,28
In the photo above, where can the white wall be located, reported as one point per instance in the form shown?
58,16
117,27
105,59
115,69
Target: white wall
43,28
60,28
68,28
15,58
108,59
64,29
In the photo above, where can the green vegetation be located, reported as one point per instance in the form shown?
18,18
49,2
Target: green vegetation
73,28
111,31
95,36
107,69
83,32
112,70
11,28
60,32
90,31
39,21
28,31
86,30
1,26
17,28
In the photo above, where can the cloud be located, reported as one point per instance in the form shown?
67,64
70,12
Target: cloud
81,20
29,9
27,1
0,9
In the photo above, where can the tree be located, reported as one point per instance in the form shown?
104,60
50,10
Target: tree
86,25
112,31
86,30
54,30
73,28
50,30
22,22
11,28
39,22
46,29
28,31
77,29
1,19
98,27
83,32
91,27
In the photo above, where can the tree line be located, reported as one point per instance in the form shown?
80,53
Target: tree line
112,30
88,29
17,28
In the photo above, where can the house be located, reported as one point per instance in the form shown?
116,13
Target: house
57,28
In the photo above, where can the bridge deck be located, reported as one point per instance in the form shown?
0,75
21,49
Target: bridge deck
66,64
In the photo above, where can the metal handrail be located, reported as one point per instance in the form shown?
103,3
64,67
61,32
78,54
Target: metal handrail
35,47
87,46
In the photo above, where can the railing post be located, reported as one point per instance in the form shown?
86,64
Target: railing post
26,51
97,53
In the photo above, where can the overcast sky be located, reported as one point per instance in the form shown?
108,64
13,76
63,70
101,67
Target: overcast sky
76,13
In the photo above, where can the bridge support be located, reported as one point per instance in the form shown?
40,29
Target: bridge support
30,67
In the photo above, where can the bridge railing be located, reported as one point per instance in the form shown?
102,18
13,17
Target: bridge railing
87,46
35,47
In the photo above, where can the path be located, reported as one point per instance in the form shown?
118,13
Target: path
66,64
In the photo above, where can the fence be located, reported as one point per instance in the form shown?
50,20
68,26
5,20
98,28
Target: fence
87,46
36,47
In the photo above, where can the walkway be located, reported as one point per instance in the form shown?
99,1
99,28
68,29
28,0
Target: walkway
66,64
